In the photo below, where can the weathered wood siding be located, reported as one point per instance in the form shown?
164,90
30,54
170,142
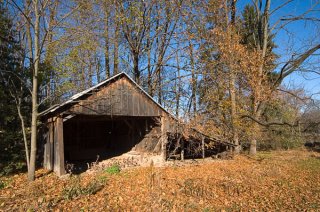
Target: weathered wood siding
58,159
150,141
119,98
165,126
54,146
48,147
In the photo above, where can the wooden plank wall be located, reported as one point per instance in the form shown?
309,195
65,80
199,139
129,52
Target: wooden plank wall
54,146
120,98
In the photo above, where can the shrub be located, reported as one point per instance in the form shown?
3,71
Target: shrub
75,189
276,141
114,169
92,188
103,179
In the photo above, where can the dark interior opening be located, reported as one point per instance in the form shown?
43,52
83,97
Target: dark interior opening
192,147
91,138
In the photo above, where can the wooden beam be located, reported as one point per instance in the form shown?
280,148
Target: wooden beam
203,149
46,153
58,147
164,136
48,148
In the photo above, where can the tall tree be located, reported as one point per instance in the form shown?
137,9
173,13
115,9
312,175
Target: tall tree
262,36
34,13
232,88
13,95
106,34
134,23
36,61
116,39
259,37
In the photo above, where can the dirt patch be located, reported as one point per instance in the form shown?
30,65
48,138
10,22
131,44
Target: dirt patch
135,159
128,160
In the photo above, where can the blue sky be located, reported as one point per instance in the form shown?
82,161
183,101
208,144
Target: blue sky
295,38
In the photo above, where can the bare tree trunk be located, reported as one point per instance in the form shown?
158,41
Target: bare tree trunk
106,37
17,99
34,115
136,71
253,147
257,110
182,149
264,23
233,11
203,148
29,40
159,87
255,128
97,63
49,53
90,71
178,84
162,47
23,128
150,87
194,80
178,93
116,49
232,91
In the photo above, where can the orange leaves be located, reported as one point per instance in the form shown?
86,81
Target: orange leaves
247,63
272,181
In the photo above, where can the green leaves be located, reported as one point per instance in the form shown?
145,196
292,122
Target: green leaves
114,169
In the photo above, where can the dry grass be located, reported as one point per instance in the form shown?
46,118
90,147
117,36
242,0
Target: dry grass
281,180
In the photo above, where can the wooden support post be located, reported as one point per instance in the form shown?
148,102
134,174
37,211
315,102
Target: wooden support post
58,147
182,149
203,149
46,154
164,137
48,148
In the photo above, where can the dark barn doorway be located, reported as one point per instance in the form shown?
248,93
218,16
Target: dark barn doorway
91,138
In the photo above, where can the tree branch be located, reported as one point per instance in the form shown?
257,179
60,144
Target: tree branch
269,124
293,64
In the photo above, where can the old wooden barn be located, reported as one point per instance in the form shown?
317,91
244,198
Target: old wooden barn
109,119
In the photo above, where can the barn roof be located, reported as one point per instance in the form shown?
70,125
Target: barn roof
76,97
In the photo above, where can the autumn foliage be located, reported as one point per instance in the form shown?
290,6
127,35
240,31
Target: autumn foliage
287,180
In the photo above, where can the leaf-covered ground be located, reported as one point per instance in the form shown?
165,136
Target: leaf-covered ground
281,180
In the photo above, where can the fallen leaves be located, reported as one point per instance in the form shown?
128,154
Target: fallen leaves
288,180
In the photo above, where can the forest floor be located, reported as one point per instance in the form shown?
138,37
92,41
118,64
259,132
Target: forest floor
278,180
